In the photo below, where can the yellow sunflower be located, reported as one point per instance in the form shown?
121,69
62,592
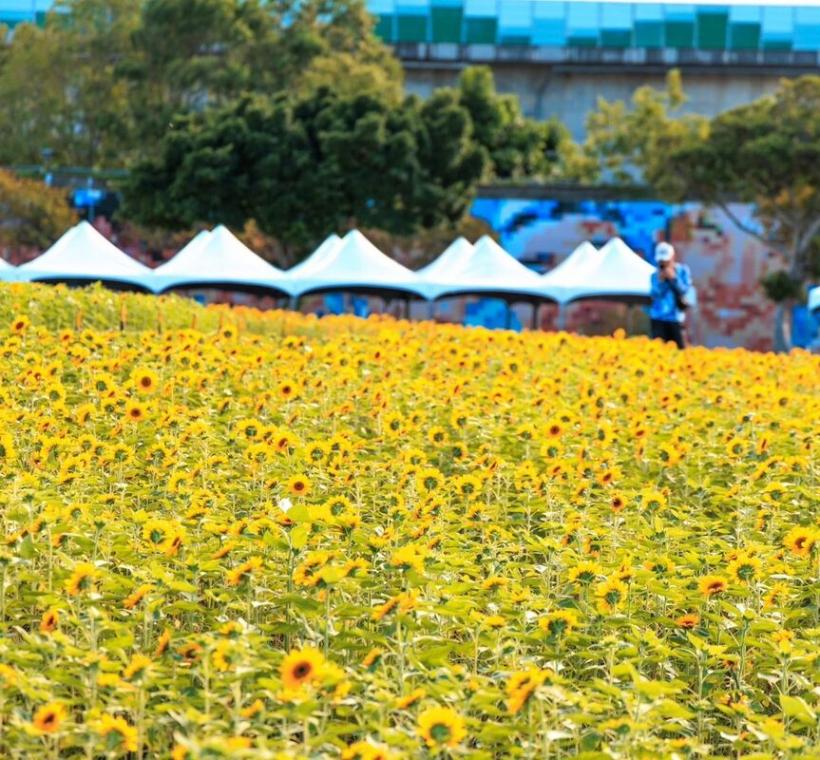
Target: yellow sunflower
145,380
299,485
118,733
81,579
801,540
441,727
711,585
301,667
521,686
49,718
135,411
611,594
559,623
745,568
402,703
243,571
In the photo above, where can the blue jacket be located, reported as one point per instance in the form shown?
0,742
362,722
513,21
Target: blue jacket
664,307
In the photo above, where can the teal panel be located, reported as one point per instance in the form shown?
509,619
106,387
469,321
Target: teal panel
777,45
616,38
411,28
480,31
384,27
577,41
515,39
680,34
744,36
648,34
446,24
712,29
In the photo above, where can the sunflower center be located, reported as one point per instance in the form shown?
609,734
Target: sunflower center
440,732
302,670
746,571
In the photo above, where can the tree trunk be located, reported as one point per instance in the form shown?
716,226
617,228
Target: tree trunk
782,327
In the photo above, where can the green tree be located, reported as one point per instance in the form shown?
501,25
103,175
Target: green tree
518,147
60,88
625,144
191,54
31,213
324,162
766,153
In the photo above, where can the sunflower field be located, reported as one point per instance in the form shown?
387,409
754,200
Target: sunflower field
238,534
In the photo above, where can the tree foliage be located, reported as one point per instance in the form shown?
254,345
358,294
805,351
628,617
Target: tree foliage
518,147
111,74
766,153
31,213
625,143
60,88
302,167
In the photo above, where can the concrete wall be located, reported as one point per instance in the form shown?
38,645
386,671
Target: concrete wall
569,94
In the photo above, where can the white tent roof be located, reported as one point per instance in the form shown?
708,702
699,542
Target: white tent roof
83,254
568,278
8,273
620,274
354,264
217,259
814,298
450,260
315,261
489,270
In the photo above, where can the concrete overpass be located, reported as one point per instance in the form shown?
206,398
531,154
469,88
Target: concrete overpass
560,57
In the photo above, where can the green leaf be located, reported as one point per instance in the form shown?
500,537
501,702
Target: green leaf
671,709
27,548
795,707
299,535
655,689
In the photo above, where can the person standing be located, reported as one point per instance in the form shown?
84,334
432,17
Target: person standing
671,284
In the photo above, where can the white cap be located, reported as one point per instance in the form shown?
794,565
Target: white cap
664,252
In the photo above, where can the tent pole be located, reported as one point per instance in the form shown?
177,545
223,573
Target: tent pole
535,308
293,303
407,309
431,311
562,316
509,316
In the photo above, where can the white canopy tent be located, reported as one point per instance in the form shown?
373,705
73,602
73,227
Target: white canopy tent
8,273
218,259
619,275
182,261
83,255
487,271
355,264
312,263
567,279
451,259
814,299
